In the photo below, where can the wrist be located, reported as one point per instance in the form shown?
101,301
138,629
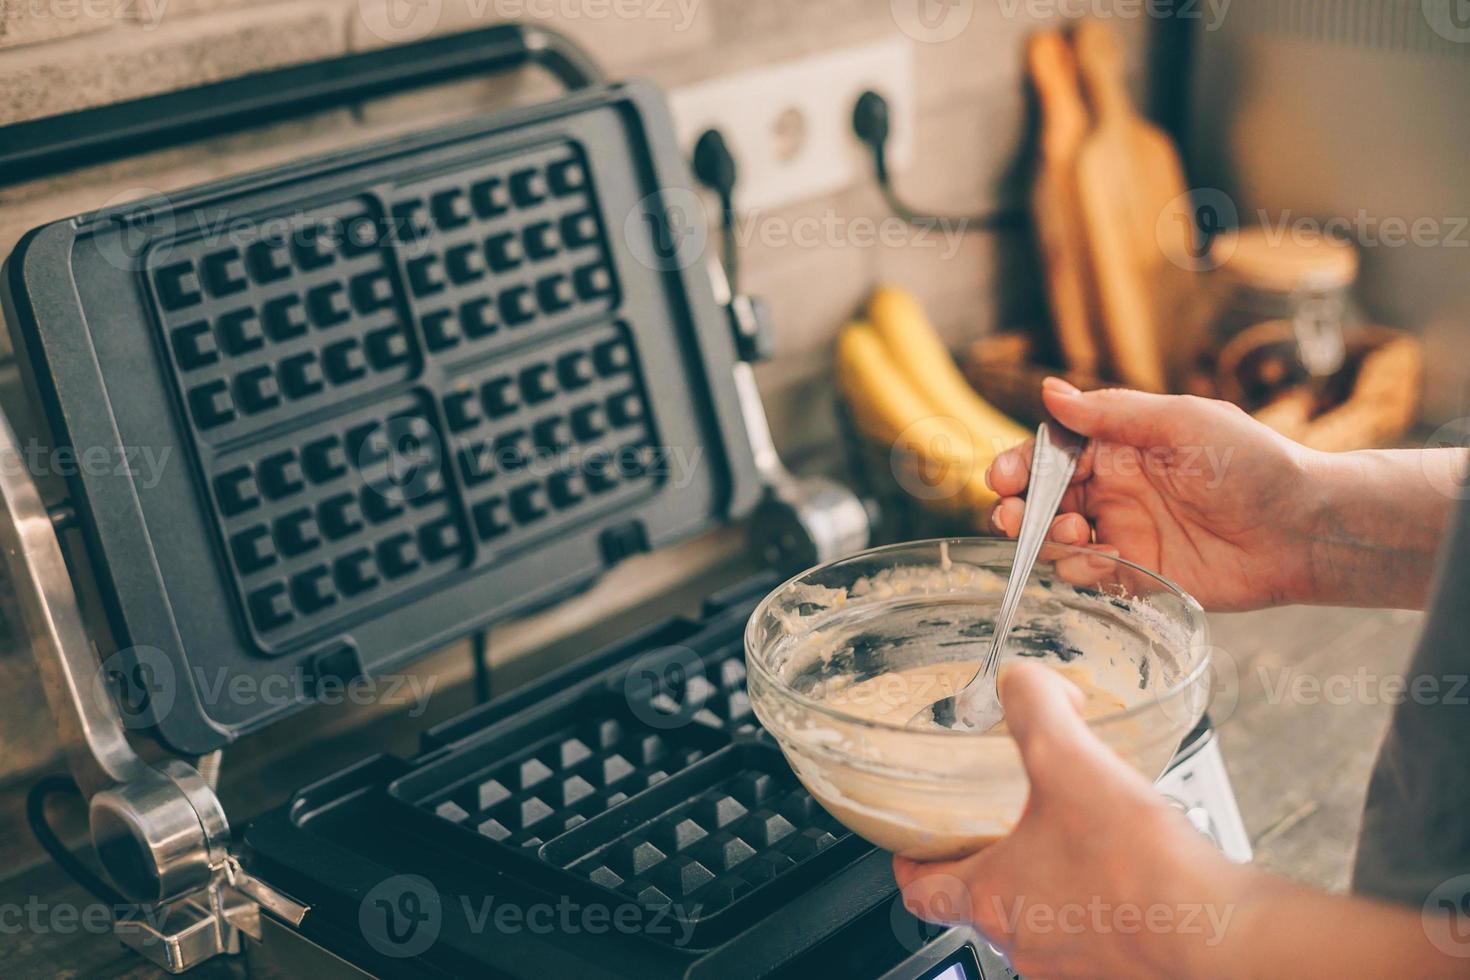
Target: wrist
1239,922
1301,566
1326,503
1372,522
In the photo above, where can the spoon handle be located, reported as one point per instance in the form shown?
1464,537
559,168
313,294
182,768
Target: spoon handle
1053,461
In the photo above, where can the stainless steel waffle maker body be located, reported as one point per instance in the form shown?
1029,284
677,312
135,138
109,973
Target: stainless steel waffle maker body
417,388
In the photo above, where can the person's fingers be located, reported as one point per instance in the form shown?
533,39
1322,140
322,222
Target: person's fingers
1088,565
1011,470
1006,517
1068,527
938,891
1043,712
1063,757
1134,418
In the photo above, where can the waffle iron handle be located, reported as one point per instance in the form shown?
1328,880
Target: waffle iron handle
160,832
53,144
88,722
160,829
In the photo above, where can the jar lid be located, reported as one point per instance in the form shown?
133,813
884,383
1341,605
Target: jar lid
1279,261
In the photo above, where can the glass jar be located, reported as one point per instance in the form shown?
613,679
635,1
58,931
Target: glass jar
1284,274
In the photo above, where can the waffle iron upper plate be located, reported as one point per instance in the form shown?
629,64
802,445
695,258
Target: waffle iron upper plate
393,395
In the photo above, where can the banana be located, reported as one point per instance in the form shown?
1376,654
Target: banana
900,321
933,453
903,389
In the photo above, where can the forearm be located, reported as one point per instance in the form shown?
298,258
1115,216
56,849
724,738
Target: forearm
1282,929
1377,519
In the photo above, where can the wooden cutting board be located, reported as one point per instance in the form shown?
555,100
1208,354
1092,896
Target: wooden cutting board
1134,205
1055,207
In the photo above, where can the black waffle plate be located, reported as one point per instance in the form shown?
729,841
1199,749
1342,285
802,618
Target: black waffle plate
399,393
707,843
653,788
554,772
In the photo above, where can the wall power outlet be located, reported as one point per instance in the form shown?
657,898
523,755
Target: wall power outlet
789,125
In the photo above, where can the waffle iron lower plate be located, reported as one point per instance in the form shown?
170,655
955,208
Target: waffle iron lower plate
655,824
396,394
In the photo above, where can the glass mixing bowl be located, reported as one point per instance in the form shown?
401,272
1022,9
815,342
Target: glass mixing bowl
908,619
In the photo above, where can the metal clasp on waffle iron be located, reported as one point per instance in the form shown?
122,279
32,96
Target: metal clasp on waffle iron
802,521
160,831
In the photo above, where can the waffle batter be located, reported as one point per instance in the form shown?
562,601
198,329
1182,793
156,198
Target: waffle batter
895,697
974,789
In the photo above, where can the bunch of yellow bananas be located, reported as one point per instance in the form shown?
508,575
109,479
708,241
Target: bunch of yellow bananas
904,390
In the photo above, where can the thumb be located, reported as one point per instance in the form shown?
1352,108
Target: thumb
1133,418
1061,754
1043,713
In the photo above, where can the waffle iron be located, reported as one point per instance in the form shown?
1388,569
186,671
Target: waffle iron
411,390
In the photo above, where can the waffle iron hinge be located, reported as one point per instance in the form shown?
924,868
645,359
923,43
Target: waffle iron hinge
160,832
801,521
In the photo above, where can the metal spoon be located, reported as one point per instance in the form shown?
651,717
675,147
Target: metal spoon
976,706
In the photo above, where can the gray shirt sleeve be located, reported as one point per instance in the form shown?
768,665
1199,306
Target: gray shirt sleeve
1416,823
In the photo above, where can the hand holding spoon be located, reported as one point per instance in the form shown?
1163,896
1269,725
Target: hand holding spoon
976,706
